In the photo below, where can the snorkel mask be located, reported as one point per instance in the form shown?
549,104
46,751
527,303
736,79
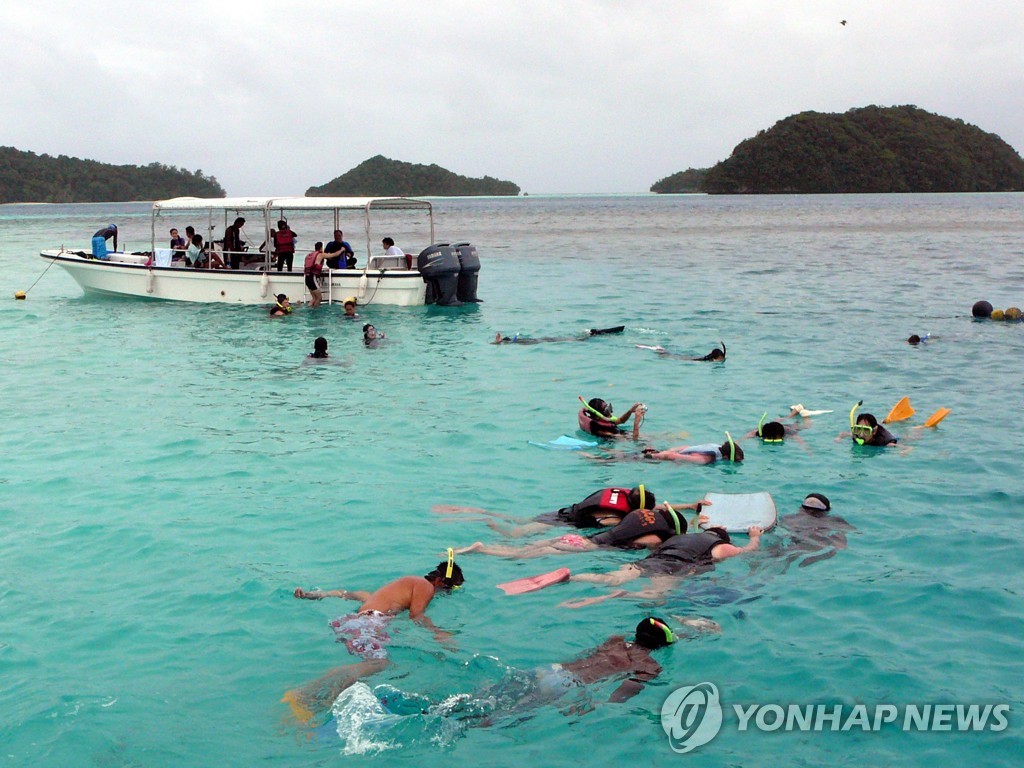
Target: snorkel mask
863,429
594,412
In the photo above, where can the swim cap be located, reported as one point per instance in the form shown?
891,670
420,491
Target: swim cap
816,502
653,632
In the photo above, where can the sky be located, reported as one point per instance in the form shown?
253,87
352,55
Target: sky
570,96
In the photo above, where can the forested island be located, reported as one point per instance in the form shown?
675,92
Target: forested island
382,177
26,177
870,149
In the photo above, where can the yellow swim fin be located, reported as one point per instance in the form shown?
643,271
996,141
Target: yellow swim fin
899,412
938,416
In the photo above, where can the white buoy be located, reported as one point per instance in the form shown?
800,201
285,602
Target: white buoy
150,280
264,285
362,286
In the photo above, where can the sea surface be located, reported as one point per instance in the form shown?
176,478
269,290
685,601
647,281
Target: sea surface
172,472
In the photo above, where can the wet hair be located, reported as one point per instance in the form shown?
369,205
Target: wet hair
349,301
439,573
634,499
773,430
915,339
320,347
601,406
725,449
388,242
720,533
868,418
282,297
653,633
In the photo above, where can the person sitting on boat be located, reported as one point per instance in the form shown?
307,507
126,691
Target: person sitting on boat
390,249
313,269
234,245
284,244
339,253
281,307
99,241
177,243
196,256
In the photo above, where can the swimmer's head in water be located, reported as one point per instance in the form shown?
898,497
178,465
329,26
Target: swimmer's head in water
369,332
816,502
720,533
653,633
772,432
641,500
915,339
864,429
281,298
439,578
601,406
731,451
320,347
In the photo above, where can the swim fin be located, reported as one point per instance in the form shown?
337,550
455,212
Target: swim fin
938,416
533,583
603,331
900,411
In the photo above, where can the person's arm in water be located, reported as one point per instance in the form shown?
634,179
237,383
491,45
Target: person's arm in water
633,685
725,551
344,594
421,596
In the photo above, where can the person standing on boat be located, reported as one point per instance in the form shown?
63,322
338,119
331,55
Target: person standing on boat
339,253
233,242
284,245
313,269
99,241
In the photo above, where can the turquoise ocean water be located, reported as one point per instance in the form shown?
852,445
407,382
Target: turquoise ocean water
172,472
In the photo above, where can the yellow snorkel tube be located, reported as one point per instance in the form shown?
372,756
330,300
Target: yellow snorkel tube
853,423
587,406
451,567
732,447
675,518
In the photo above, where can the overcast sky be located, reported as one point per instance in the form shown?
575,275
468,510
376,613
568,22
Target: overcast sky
584,96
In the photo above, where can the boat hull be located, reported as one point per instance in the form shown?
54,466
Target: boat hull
396,287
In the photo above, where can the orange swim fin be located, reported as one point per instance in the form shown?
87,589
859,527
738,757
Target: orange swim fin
533,583
938,416
899,412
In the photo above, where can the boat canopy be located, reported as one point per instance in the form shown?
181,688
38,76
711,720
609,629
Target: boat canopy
288,203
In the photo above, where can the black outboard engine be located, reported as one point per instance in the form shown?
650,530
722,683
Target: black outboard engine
468,277
439,265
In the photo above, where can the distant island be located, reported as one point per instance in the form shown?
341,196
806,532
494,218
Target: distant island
26,177
382,177
870,149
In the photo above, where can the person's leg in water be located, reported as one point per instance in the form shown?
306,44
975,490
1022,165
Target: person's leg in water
515,532
658,588
571,542
311,699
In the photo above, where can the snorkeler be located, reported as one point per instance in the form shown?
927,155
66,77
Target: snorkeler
371,338
604,508
707,453
517,339
865,430
640,529
775,432
281,307
319,348
813,532
597,418
914,339
679,556
365,631
716,355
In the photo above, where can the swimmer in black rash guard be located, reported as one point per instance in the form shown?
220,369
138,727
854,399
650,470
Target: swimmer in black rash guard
867,431
517,339
714,356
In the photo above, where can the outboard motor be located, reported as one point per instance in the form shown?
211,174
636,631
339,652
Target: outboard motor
439,265
468,277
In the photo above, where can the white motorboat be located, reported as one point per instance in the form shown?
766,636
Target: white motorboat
441,273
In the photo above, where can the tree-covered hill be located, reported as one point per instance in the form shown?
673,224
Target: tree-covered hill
26,177
871,149
689,180
382,177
